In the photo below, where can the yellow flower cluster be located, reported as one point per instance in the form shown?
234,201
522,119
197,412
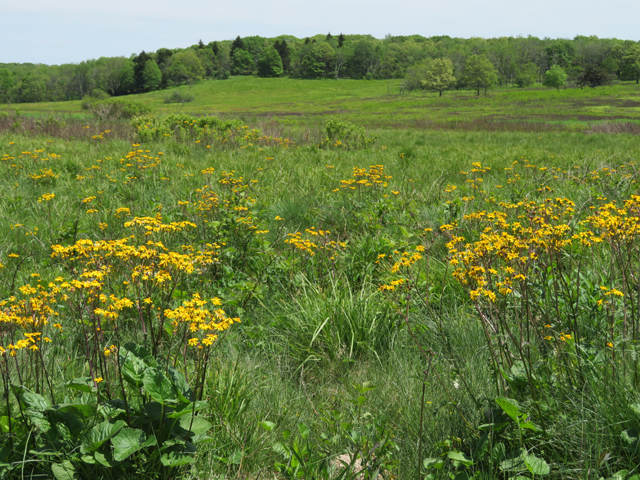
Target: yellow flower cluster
204,324
374,177
314,240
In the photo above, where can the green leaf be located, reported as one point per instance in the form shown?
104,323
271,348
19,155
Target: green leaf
128,441
433,463
630,436
187,409
132,367
102,459
513,464
498,452
159,387
174,459
460,458
35,406
185,394
84,384
536,465
304,430
100,434
482,447
463,476
509,406
236,457
82,410
620,475
63,471
198,426
268,426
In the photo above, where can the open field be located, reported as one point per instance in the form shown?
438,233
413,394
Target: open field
378,103
452,293
499,344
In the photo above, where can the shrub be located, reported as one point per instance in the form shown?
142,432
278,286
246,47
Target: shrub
178,97
345,135
118,109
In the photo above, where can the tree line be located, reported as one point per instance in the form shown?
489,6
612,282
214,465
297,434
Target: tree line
435,63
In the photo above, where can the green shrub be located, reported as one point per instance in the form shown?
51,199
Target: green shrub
345,135
178,97
118,109
184,126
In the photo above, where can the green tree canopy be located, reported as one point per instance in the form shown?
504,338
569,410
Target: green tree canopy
241,62
479,73
185,67
555,77
31,88
527,74
631,63
439,75
270,63
152,76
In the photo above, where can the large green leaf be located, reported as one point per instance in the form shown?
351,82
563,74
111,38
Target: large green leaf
100,434
185,394
84,384
536,465
482,447
82,410
104,460
132,366
128,441
159,387
188,409
175,459
35,406
460,458
197,427
509,406
63,471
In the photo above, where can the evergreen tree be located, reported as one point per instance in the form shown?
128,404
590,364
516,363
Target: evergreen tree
215,47
285,55
329,36
139,62
200,44
238,44
340,40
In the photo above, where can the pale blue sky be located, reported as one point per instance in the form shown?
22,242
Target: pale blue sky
69,31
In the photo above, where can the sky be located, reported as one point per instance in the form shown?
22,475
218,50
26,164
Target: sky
70,31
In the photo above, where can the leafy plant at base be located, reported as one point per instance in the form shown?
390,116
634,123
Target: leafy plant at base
153,429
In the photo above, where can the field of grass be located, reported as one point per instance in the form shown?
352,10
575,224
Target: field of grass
379,103
432,300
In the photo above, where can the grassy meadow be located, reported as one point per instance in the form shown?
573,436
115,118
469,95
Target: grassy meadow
253,299
380,104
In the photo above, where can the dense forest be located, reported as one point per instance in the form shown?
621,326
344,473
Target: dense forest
435,63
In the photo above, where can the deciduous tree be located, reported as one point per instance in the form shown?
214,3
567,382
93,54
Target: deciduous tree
270,63
479,73
439,75
555,77
152,76
631,63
